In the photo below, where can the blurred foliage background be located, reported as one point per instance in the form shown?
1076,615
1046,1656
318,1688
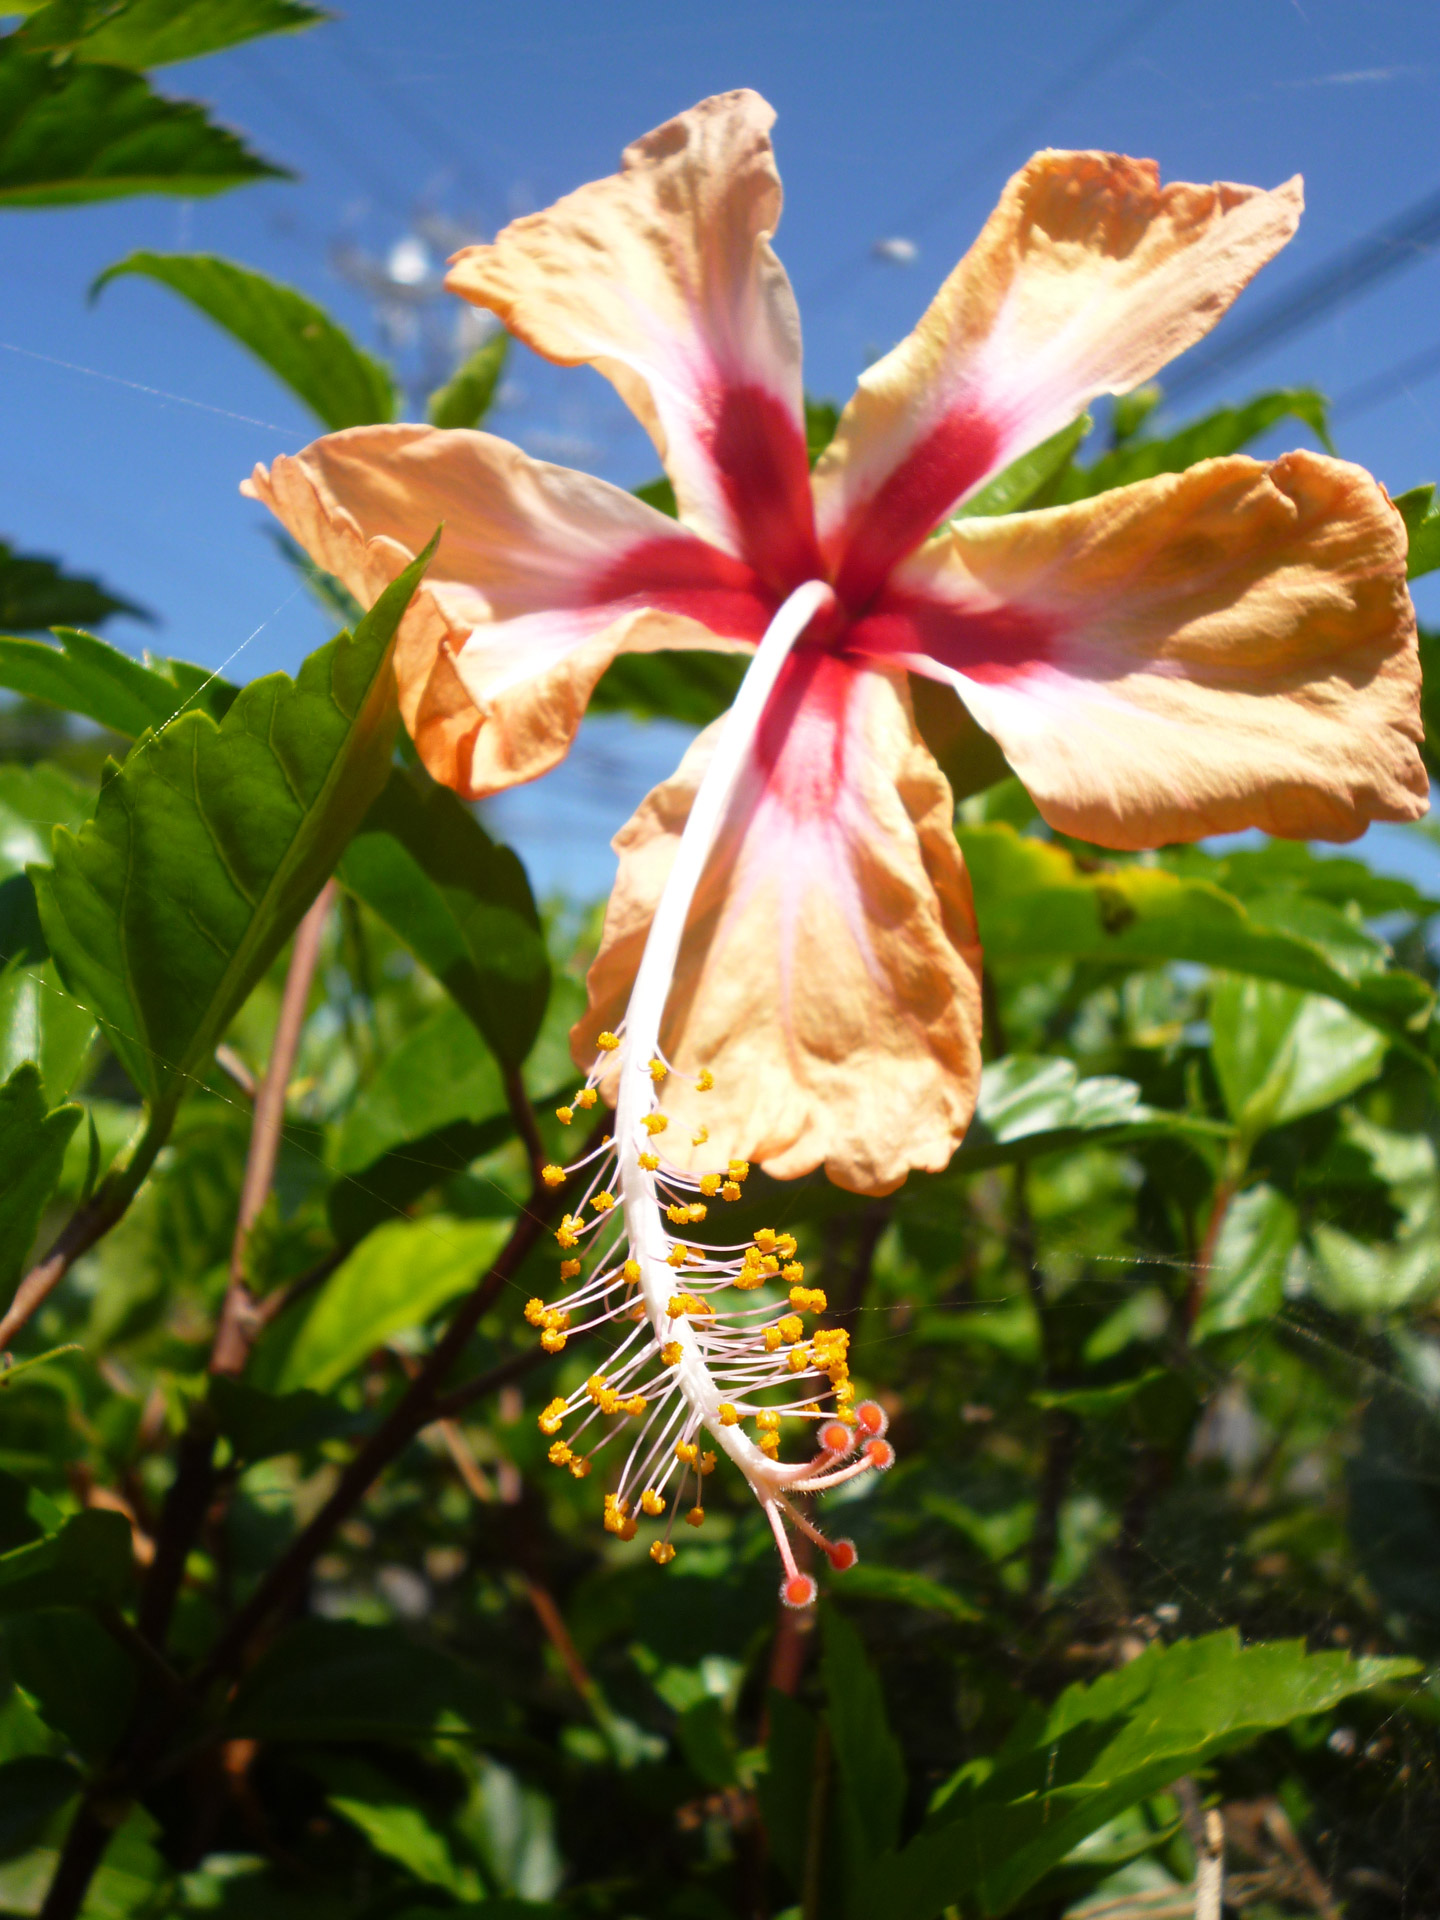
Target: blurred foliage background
293,1617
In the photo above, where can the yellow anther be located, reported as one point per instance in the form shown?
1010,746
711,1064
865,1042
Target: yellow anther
705,1082
654,1123
535,1311
694,1305
696,1517
553,1176
662,1553
603,1201
658,1070
607,1042
649,1161
770,1445
793,1274
672,1353
679,1214
696,1212
677,1255
792,1328
730,1191
559,1454
707,1463
552,1341
739,1169
580,1469
772,1339
677,1308
596,1385
811,1406
634,1406
710,1185
567,1234
550,1419
785,1246
687,1451
586,1097
768,1422
729,1416
807,1299
630,1528
631,1271
652,1502
798,1360
637,1313
564,1115
765,1238
700,1136
569,1269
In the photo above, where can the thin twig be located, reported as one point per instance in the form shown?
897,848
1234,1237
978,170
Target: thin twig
523,1114
238,1327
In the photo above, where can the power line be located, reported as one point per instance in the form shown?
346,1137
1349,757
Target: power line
421,126
306,112
1384,386
1399,243
1018,131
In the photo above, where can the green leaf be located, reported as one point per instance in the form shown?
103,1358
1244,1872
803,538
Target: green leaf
466,396
260,1425
155,33
392,1282
691,687
70,134
1422,524
88,676
1393,1481
297,340
33,801
335,1680
784,1788
822,417
1102,1747
867,1755
1227,430
1279,1054
82,1683
32,1789
39,1021
209,844
1030,480
461,903
869,1580
1029,1105
87,1563
33,1138
35,595
1289,866
1260,1231
441,1072
1356,1276
1036,905
397,1825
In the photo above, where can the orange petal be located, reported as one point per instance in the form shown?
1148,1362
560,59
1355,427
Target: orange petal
542,576
1088,277
663,277
1229,647
830,973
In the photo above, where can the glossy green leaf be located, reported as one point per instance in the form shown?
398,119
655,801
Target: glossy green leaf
1422,524
461,903
209,844
1227,430
439,1073
35,594
1260,1232
82,1683
33,1138
1035,479
155,33
1029,1106
867,1755
342,385
1280,1054
33,802
873,1580
1065,1771
1358,1276
396,1825
75,133
1289,866
39,1021
466,396
32,1789
1035,904
86,1563
692,688
334,1680
88,676
393,1282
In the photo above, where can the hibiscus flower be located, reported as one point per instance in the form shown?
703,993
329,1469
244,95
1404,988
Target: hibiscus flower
1228,647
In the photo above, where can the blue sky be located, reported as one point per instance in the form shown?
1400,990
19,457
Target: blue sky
898,120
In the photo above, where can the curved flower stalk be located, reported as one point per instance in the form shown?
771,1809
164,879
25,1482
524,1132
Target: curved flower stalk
1228,647
692,1363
